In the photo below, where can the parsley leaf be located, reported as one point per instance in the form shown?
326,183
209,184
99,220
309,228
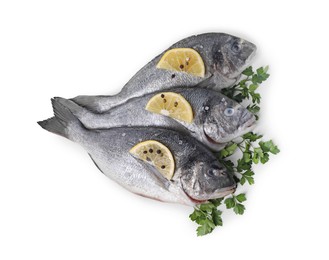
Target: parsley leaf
269,146
252,137
206,227
216,217
207,216
241,197
248,71
228,150
235,203
239,209
230,203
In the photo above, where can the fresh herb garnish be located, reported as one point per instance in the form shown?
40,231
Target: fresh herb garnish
235,203
252,150
207,216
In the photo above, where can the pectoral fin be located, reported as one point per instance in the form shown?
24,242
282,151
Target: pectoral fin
156,175
207,83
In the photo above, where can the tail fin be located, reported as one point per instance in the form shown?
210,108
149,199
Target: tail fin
77,110
53,125
63,121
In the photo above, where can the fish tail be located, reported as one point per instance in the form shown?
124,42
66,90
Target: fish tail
77,110
53,125
62,123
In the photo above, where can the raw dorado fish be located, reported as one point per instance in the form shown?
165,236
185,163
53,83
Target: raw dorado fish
217,119
198,175
224,57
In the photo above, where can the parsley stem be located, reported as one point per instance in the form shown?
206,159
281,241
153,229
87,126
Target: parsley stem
240,147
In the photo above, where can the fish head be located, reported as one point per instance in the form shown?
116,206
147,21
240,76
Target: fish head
231,55
205,179
224,119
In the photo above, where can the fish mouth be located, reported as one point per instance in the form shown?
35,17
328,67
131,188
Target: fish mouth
244,128
213,144
216,146
252,55
210,140
220,193
249,125
195,201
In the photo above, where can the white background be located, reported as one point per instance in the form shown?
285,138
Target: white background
55,204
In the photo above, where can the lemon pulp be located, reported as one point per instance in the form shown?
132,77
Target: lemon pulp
156,154
183,59
171,104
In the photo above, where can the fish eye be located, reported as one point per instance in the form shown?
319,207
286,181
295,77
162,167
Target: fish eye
236,47
206,108
216,172
229,111
213,172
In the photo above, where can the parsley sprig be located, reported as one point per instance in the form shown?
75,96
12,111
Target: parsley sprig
208,216
251,154
235,203
252,150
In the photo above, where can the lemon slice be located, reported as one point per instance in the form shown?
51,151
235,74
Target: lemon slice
183,59
156,154
171,104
